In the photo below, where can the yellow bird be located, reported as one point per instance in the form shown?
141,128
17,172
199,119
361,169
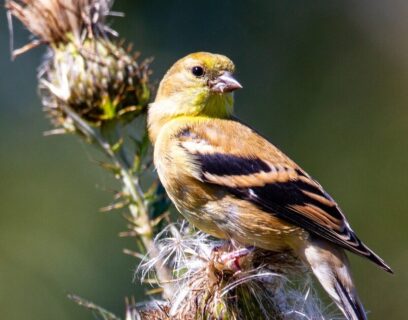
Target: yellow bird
232,183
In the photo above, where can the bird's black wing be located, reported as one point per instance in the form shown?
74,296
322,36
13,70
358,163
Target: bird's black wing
281,189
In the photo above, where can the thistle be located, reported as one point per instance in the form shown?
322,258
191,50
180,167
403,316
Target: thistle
221,280
92,85
86,69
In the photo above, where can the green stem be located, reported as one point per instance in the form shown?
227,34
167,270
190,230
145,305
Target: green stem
138,209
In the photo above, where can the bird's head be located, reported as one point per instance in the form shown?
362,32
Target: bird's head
200,84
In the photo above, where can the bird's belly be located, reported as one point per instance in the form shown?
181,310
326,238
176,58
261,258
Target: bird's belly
223,216
246,224
189,196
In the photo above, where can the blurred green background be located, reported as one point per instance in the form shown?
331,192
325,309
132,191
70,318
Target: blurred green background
325,80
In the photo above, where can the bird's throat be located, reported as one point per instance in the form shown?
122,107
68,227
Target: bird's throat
218,106
208,106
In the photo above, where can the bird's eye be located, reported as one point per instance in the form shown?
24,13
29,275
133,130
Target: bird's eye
198,71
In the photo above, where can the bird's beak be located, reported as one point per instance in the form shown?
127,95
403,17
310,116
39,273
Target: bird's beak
224,83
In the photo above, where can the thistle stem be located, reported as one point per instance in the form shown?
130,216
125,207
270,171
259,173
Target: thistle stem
139,209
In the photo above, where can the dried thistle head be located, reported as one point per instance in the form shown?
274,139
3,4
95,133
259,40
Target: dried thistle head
219,280
99,80
61,21
86,70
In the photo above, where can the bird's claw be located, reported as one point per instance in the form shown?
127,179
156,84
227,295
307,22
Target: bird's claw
231,260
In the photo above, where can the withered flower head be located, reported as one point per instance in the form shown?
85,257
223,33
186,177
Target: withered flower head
221,280
86,70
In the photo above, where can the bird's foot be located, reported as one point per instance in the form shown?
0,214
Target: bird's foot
232,261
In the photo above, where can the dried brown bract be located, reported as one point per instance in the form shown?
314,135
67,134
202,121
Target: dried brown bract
53,21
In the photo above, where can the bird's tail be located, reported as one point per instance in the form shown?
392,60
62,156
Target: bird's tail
330,266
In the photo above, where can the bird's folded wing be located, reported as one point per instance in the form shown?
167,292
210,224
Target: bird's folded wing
268,179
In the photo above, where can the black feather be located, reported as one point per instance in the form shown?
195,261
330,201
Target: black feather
229,165
276,199
351,304
279,198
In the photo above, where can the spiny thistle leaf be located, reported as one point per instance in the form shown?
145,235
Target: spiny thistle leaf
99,311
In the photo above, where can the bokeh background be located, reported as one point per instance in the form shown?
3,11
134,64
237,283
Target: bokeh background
325,80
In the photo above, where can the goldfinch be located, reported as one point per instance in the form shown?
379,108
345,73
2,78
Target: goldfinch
232,183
